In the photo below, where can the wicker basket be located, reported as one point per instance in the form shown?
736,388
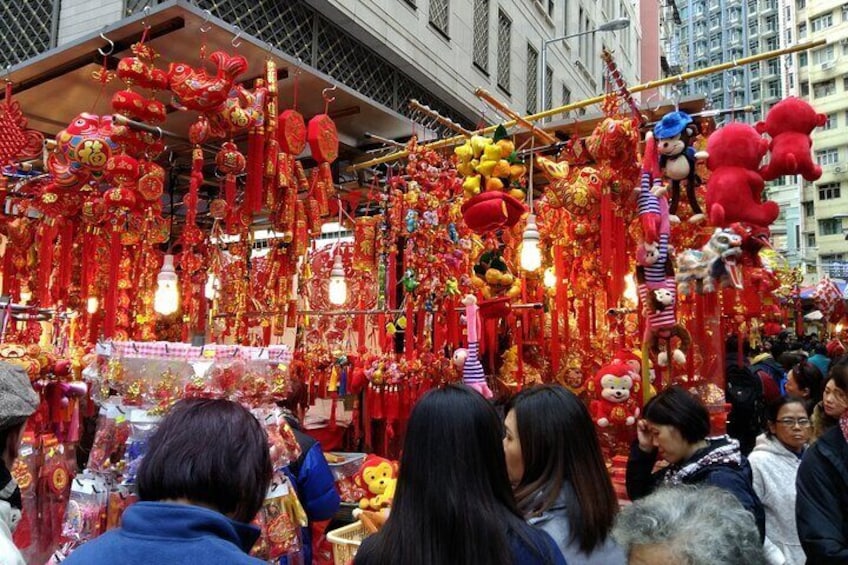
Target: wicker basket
346,541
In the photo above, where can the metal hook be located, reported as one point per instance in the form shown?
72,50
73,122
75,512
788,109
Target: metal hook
8,75
159,133
656,94
146,12
327,98
676,97
111,46
205,26
235,40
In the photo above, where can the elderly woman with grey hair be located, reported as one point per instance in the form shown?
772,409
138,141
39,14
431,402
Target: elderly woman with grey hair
689,525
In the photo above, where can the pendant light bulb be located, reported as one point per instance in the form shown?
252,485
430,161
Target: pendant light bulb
212,290
531,255
26,295
166,301
550,278
338,285
92,305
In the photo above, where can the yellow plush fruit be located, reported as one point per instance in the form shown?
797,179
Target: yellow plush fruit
487,292
465,169
502,169
493,276
479,143
494,183
492,153
486,167
517,171
464,152
506,146
477,282
471,185
507,279
517,193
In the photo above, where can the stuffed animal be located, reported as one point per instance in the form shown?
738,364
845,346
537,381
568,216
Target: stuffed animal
789,123
735,187
472,370
659,303
378,476
714,262
614,386
674,133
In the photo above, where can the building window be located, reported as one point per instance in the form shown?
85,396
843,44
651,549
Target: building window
805,88
828,190
755,93
532,79
551,8
547,102
824,55
809,209
845,83
821,23
845,12
831,122
801,4
811,240
504,35
481,35
439,15
411,3
771,44
824,88
802,30
566,95
802,59
788,36
831,226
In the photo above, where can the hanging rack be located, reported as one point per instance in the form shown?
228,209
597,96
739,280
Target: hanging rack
436,117
450,142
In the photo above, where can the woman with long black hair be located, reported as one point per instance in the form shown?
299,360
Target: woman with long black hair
558,473
453,503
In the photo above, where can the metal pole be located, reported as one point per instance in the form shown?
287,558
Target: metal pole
452,141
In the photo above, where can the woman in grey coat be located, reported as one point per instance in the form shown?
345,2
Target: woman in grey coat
774,463
558,474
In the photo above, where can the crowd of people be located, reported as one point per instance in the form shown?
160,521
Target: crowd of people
526,484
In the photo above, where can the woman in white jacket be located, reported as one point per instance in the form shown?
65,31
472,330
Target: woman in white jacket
775,462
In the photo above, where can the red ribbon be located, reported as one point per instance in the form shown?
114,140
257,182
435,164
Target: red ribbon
49,232
66,260
112,289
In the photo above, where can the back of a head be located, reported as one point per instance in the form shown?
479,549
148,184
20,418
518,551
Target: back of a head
18,401
690,525
677,407
808,376
453,500
559,443
838,373
208,452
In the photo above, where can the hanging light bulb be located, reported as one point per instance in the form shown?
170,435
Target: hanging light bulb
213,287
26,295
550,278
166,301
631,296
531,256
338,285
92,305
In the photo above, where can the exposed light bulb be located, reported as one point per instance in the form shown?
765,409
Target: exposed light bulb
531,256
550,278
338,285
213,287
838,329
92,305
166,301
26,295
630,293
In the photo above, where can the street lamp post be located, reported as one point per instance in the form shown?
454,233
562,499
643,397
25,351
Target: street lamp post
612,25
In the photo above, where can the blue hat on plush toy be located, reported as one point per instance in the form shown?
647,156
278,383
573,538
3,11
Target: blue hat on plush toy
672,124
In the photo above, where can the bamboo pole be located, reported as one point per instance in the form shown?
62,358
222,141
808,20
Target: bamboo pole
451,141
539,134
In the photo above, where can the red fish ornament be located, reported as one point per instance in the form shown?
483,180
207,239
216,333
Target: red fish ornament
195,89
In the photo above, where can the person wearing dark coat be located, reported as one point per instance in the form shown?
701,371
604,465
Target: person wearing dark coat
675,428
821,507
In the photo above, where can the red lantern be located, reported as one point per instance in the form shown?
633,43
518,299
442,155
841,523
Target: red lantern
121,169
132,70
229,159
323,138
151,185
291,131
120,198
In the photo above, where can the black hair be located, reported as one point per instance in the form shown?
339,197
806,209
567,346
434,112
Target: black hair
558,444
838,373
773,409
808,376
210,452
789,359
453,503
677,407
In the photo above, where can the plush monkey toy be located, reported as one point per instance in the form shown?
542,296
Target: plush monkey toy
674,134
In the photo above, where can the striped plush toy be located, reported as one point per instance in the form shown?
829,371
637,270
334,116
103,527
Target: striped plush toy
472,370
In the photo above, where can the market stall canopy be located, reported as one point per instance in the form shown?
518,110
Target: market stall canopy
841,284
57,85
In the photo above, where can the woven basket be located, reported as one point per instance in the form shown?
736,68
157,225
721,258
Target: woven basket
346,541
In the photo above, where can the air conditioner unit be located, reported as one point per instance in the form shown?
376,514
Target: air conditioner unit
839,168
827,65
